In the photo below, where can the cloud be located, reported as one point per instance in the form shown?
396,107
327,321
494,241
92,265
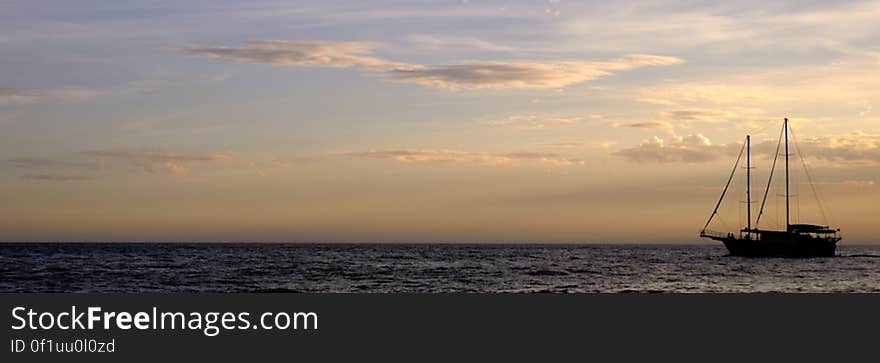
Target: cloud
263,163
522,74
854,149
455,43
155,154
686,104
176,168
646,125
537,122
835,151
464,157
713,28
694,148
845,89
582,144
30,162
548,158
735,90
55,177
671,118
629,27
847,183
696,115
689,188
157,160
468,75
153,160
10,94
306,53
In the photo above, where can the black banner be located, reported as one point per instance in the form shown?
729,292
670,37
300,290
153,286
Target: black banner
416,327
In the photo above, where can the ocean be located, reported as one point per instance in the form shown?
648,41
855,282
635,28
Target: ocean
242,267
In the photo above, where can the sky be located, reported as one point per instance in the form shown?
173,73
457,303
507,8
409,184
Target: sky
431,121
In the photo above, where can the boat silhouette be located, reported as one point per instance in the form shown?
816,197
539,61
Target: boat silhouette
796,240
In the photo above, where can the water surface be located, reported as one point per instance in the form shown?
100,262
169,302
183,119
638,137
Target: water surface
200,267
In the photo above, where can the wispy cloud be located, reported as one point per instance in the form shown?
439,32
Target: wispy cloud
646,125
724,28
521,74
848,150
694,148
153,160
306,53
729,92
155,154
11,94
464,157
35,163
460,76
696,115
69,93
604,144
56,177
842,88
835,151
847,183
447,43
175,168
537,122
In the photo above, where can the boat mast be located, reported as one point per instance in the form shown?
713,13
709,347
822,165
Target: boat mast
749,184
787,195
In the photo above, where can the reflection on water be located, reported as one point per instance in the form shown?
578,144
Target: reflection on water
423,268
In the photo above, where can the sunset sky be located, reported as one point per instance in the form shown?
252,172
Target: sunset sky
429,121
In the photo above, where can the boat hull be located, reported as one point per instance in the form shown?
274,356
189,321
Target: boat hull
789,247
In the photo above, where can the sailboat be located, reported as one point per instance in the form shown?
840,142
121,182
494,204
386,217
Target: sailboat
797,240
